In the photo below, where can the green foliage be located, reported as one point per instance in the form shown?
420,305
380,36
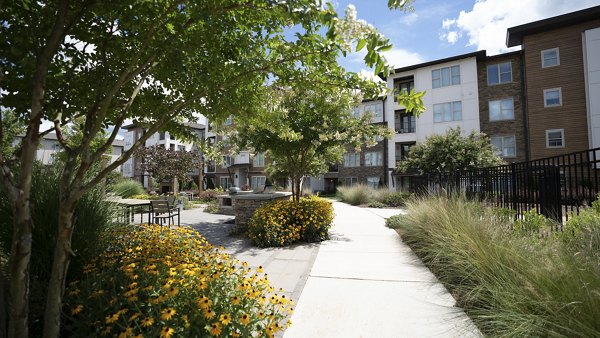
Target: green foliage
376,204
153,282
512,286
284,222
128,188
451,152
581,233
164,164
396,199
396,221
355,194
11,128
532,223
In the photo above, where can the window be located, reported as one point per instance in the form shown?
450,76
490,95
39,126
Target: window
444,77
555,138
161,135
374,158
258,160
257,182
446,112
375,108
351,160
225,182
228,121
550,58
505,145
357,112
350,181
373,182
402,150
502,110
211,167
226,161
403,85
552,97
499,73
404,122
172,146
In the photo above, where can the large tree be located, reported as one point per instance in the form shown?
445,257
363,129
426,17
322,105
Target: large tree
449,153
98,63
168,165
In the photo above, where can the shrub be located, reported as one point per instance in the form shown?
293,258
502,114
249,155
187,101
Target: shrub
376,204
396,221
581,233
284,222
208,195
160,283
509,285
395,198
532,222
128,188
356,194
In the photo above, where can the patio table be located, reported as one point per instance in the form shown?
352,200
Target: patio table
129,208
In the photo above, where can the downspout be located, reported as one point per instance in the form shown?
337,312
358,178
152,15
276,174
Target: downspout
385,148
524,105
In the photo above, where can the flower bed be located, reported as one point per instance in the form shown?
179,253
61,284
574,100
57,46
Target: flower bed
163,283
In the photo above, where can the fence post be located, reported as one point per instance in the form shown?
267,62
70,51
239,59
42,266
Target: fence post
513,177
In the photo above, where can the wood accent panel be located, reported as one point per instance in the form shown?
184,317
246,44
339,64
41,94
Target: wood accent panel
569,76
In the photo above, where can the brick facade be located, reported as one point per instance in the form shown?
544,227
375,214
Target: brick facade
363,172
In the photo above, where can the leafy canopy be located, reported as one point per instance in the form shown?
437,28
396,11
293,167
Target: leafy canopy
166,164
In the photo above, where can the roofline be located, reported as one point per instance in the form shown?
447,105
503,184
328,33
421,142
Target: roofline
478,54
514,35
516,52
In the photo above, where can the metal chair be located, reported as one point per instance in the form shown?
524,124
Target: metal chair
163,213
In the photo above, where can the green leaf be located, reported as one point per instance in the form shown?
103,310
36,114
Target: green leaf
361,44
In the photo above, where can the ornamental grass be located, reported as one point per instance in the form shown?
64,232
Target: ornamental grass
154,283
284,222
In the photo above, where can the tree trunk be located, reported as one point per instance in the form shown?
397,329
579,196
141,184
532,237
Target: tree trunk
3,305
200,178
60,265
20,257
175,186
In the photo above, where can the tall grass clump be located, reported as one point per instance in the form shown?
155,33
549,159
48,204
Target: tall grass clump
360,194
509,283
127,188
92,216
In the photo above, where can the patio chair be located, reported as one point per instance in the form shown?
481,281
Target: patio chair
163,213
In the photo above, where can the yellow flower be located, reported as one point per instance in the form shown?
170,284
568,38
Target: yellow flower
128,332
245,319
167,313
106,331
77,310
235,300
148,321
112,318
134,316
172,292
225,319
166,332
204,302
260,269
208,313
215,329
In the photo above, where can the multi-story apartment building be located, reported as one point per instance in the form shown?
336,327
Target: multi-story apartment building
451,100
132,169
561,57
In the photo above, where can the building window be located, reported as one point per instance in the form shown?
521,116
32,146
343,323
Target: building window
402,150
211,167
373,182
446,112
375,108
550,58
258,160
350,181
229,121
225,182
404,122
552,97
405,85
226,161
555,138
161,135
505,146
444,77
499,73
351,160
502,110
257,182
172,146
373,158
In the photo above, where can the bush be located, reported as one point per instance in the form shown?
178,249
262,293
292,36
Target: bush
376,204
208,195
395,222
581,233
509,285
161,283
395,198
284,222
356,194
532,222
128,188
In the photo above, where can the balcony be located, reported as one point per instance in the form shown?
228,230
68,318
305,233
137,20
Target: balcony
404,122
242,158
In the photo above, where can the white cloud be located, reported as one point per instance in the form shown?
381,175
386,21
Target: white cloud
398,57
409,19
486,23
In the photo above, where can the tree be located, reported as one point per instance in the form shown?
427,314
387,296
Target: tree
450,153
168,165
98,63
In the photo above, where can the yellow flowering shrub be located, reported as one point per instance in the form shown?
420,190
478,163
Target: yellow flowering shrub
154,283
284,222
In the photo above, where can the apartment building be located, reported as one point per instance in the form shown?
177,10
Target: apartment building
451,100
132,167
561,58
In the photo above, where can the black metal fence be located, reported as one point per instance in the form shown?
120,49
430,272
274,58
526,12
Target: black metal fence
554,186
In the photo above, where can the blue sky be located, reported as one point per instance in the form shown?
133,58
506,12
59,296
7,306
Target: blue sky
439,29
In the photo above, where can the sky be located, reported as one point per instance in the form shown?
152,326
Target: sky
442,28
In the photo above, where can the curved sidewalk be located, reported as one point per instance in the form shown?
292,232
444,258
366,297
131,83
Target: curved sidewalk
366,283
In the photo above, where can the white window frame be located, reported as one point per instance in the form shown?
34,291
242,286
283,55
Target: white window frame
442,115
373,158
226,161
256,181
258,160
546,91
373,181
497,66
227,180
352,180
440,77
372,107
502,117
544,65
351,160
562,137
501,151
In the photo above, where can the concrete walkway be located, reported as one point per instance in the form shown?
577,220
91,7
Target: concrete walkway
366,283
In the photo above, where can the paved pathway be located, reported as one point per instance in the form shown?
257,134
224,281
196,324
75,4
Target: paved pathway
366,283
